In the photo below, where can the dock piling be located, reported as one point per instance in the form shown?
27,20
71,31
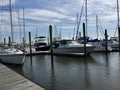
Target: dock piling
84,35
23,42
4,41
51,50
30,47
106,41
9,41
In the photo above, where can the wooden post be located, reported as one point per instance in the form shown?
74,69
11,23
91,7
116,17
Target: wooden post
119,37
23,42
4,41
9,41
30,47
84,35
106,40
51,50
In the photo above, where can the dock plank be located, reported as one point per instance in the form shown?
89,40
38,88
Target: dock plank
10,80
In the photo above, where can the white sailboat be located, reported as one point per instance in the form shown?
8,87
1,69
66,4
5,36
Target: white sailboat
99,44
11,55
114,41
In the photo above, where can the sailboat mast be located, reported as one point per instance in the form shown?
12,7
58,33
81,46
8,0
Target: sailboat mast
77,24
97,25
24,37
86,15
24,24
118,12
11,23
19,26
118,23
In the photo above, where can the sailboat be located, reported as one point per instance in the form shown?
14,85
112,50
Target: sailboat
11,55
99,44
114,41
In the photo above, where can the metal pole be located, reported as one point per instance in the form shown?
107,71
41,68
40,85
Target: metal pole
97,25
86,16
118,23
24,24
118,12
119,37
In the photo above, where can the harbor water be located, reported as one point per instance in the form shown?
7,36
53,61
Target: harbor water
99,71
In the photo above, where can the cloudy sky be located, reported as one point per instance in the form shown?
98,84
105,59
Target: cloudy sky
61,14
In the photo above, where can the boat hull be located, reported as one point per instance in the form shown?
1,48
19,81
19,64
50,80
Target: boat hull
12,58
73,50
102,49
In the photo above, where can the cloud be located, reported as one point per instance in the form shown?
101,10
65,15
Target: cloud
44,15
63,12
6,2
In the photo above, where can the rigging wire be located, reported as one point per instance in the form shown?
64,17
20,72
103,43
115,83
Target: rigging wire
111,18
115,31
74,30
79,20
101,29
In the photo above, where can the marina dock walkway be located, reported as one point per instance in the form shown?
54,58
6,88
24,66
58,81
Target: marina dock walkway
10,80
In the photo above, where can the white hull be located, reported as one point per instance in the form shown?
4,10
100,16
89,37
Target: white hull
12,58
101,48
71,47
69,50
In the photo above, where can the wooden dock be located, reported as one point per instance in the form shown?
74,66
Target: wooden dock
10,80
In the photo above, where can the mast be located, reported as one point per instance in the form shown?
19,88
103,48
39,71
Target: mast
24,38
118,12
19,26
77,22
11,23
118,23
23,24
86,15
97,25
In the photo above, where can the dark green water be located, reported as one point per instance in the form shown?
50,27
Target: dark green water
95,72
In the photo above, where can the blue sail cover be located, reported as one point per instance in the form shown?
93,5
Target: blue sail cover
94,40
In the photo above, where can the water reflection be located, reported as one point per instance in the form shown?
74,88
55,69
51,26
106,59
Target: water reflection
73,72
53,78
107,64
86,76
99,71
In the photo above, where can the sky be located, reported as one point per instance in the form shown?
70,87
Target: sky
61,14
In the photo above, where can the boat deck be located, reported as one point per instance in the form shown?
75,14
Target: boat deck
10,80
